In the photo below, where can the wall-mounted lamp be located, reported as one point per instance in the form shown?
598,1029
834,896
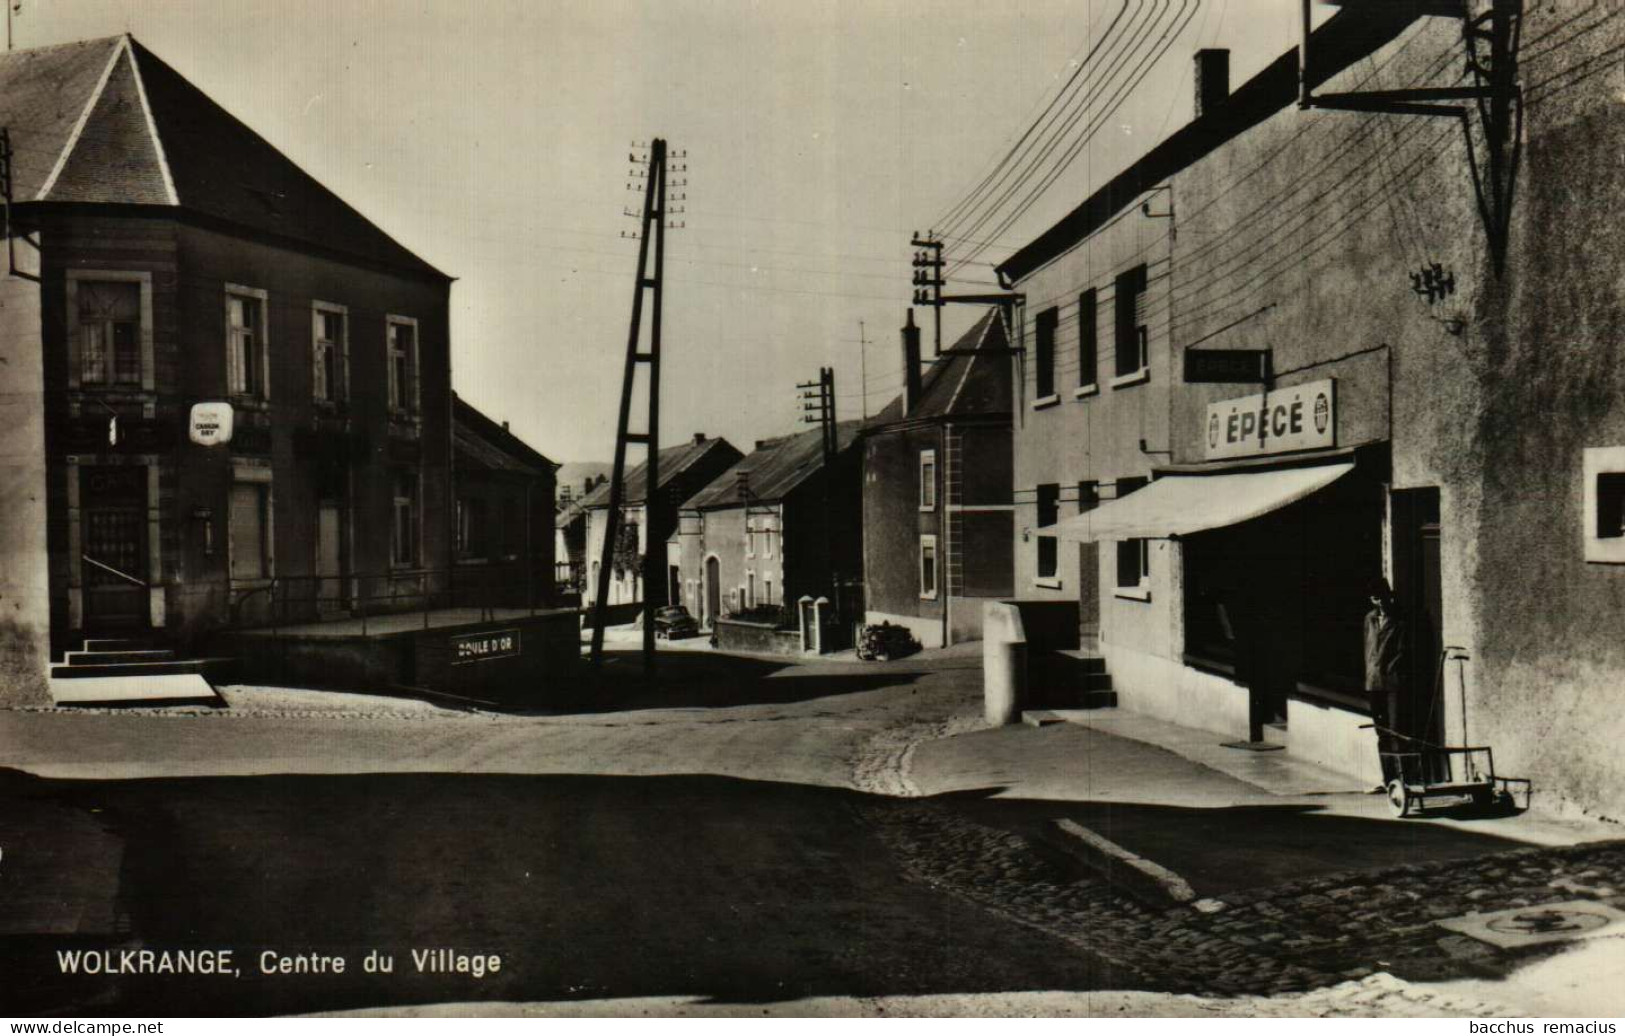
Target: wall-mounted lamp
1027,534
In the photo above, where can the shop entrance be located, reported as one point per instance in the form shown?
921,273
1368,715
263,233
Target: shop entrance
113,550
1278,602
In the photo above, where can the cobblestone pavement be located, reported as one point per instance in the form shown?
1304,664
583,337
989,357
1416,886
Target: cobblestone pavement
1346,943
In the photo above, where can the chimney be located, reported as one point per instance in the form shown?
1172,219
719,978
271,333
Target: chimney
504,426
1212,79
742,483
911,365
699,437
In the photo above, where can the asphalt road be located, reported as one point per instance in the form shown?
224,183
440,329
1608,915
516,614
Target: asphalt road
709,851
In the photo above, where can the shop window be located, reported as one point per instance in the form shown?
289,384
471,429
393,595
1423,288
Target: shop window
401,334
1129,305
928,567
1049,512
248,371
1044,355
403,546
928,480
250,530
330,352
1604,499
1133,556
1088,340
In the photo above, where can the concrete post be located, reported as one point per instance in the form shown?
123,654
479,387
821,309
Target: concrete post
1004,663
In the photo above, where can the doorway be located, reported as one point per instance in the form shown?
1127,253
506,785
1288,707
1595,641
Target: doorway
1419,589
113,506
330,598
713,591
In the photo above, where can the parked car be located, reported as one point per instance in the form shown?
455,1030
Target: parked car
885,642
674,623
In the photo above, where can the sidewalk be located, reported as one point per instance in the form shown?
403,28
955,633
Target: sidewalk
1221,819
1212,870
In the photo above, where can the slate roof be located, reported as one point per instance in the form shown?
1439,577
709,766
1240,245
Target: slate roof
776,468
484,445
674,460
958,386
106,122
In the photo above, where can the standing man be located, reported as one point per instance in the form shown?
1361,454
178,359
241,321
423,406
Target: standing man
1384,670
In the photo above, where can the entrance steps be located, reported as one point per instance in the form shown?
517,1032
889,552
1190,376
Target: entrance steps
1070,679
115,671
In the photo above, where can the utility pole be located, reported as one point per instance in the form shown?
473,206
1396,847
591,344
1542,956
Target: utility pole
928,280
651,180
818,407
863,369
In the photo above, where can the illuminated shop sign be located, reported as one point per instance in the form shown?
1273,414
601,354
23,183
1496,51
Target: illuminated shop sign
1303,417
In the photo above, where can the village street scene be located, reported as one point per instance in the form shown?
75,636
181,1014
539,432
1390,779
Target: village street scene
1102,508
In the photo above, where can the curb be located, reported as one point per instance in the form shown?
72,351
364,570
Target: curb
1138,876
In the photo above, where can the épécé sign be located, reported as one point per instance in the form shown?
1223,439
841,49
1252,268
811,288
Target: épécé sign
484,647
1303,417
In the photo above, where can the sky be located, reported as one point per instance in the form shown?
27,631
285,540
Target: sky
492,136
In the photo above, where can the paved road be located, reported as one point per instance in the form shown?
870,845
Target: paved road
703,851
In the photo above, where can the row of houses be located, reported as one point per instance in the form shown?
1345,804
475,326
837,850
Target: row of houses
160,255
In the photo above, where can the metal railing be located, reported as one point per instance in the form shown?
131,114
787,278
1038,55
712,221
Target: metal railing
486,589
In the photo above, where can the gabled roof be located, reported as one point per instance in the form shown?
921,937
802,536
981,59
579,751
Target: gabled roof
484,445
1353,33
959,385
776,467
106,122
674,461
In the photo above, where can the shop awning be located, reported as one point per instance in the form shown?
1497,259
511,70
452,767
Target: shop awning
1178,505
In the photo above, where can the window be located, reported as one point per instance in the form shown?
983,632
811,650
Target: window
928,568
1044,354
403,532
250,530
471,528
928,480
1088,496
109,316
1133,556
767,589
247,365
330,353
1610,506
402,335
1088,339
750,589
1049,511
1129,302
1604,504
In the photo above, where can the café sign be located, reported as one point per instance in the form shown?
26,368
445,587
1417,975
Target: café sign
210,424
484,647
1284,420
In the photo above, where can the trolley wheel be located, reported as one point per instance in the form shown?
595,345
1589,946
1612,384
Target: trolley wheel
1399,798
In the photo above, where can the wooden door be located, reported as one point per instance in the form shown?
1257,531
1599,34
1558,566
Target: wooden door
113,512
329,557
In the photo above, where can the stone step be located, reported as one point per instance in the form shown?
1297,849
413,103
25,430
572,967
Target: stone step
172,667
118,644
80,658
174,689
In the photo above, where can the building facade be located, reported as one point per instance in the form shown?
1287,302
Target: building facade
180,260
1442,407
502,534
783,523
937,509
684,471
